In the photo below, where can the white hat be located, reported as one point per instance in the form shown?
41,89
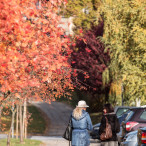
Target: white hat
82,103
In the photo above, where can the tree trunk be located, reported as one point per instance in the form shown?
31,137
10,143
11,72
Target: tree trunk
107,94
0,118
25,130
21,126
138,102
26,123
24,119
8,139
12,123
13,117
17,121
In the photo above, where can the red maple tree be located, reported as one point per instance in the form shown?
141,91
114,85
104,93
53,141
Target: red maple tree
33,56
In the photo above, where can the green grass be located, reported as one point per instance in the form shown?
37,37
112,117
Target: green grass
16,142
36,125
96,117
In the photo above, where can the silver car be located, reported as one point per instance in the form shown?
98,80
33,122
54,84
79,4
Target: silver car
130,139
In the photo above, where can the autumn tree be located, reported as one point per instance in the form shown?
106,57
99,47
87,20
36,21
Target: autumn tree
28,56
124,34
33,55
89,61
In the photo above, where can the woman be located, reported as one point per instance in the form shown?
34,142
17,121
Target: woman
113,121
81,123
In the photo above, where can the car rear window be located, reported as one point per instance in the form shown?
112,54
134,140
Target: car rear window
143,116
130,114
121,111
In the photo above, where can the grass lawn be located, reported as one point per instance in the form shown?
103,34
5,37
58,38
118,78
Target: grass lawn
36,125
16,142
96,117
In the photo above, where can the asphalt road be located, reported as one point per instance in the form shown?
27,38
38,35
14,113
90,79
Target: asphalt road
58,141
53,140
58,114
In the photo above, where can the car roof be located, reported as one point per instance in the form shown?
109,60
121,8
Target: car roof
119,107
138,107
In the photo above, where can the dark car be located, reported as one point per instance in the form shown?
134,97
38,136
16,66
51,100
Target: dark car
141,137
135,119
121,112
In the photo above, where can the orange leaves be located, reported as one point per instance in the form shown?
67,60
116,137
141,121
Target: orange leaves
1,98
29,57
2,47
6,87
24,44
33,83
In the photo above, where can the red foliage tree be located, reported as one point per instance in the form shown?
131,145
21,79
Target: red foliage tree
90,60
31,49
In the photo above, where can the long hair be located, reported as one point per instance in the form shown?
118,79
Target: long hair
108,108
77,113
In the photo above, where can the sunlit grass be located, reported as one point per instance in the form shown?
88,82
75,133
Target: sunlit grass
16,142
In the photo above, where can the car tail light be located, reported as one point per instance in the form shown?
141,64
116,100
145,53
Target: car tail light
143,137
130,125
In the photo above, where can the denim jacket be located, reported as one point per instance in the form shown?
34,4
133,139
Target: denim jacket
80,136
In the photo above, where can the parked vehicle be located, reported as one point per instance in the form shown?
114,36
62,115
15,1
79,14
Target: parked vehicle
135,138
119,110
130,139
141,137
121,113
121,118
135,119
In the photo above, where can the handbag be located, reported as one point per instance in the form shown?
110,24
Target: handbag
68,132
107,134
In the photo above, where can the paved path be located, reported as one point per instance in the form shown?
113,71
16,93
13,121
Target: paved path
58,114
58,141
53,140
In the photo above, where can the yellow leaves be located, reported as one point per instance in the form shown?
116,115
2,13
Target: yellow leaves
2,47
116,87
139,2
